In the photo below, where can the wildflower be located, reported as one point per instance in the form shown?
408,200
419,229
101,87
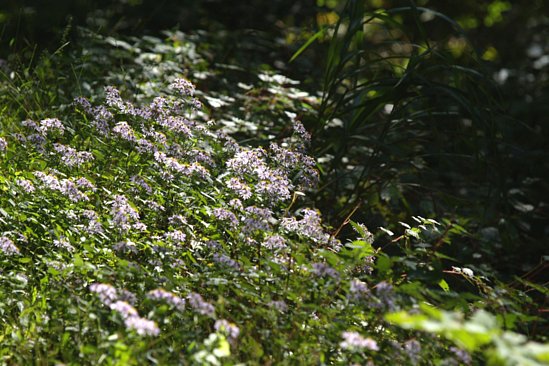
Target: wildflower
84,183
30,124
145,146
124,131
3,144
241,189
354,341
279,305
385,293
261,215
176,124
300,130
113,99
225,215
124,309
83,103
26,185
247,162
161,294
7,246
225,260
183,86
70,189
142,326
139,181
177,220
107,293
236,204
309,226
413,350
71,157
230,329
202,307
51,124
324,270
123,213
94,226
177,236
275,242
462,355
358,289
64,244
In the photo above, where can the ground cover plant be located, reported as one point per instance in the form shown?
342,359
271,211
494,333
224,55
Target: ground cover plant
138,233
148,220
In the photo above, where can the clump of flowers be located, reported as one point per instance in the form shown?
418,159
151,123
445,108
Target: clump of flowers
137,197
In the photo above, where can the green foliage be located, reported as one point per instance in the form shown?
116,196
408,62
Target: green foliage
145,228
481,332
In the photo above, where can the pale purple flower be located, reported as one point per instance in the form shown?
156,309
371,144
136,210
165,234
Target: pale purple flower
65,186
236,204
413,350
358,289
85,183
7,246
230,329
123,213
248,161
225,215
142,326
173,299
153,205
72,157
84,104
324,270
113,99
94,226
30,124
240,188
198,304
107,293
3,144
354,341
100,120
145,146
309,226
51,124
124,131
301,131
462,355
176,236
385,294
37,140
279,305
225,260
176,220
183,86
63,243
124,309
275,242
70,189
26,185
274,184
176,124
141,183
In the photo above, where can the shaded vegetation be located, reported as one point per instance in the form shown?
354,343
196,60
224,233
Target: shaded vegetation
427,130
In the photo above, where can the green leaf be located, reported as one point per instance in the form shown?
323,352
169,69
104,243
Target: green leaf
444,285
308,43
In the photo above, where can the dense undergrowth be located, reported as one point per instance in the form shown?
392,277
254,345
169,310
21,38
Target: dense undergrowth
144,220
